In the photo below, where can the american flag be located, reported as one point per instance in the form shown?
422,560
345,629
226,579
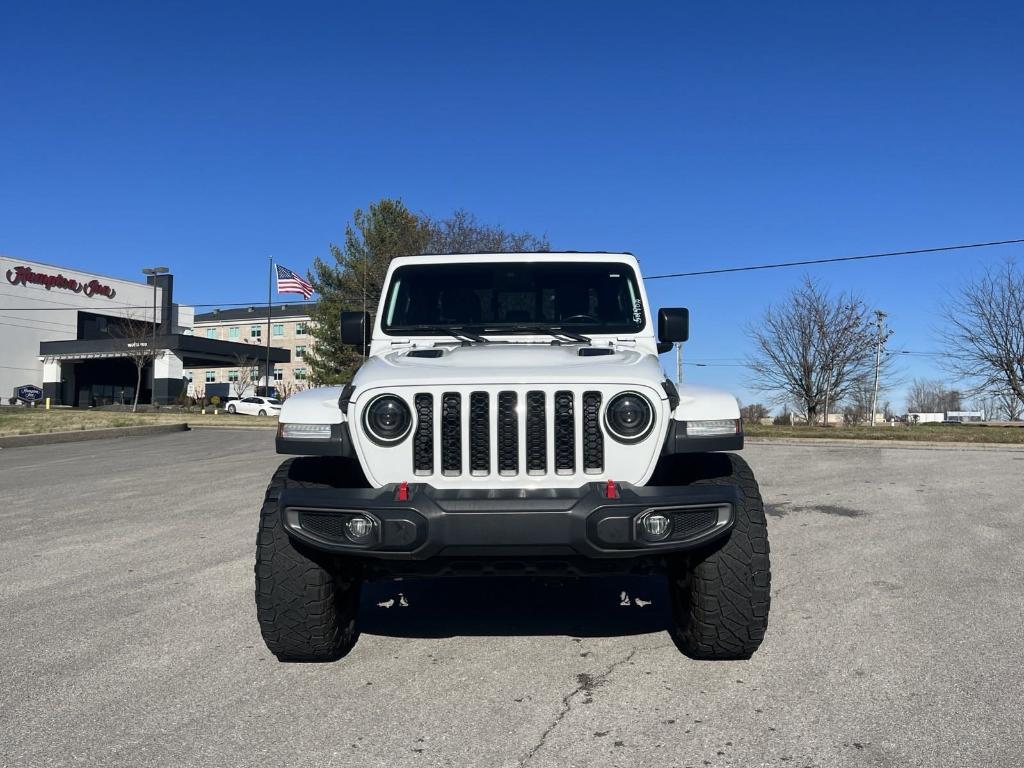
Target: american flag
289,282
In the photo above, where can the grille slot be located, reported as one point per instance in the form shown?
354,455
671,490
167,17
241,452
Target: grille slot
451,433
480,433
508,434
423,440
565,433
536,434
593,440
692,522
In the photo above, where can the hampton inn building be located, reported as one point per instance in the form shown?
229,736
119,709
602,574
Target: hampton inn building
76,335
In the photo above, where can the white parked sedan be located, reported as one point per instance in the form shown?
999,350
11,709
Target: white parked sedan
256,406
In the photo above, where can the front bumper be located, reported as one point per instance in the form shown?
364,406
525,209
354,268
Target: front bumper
520,523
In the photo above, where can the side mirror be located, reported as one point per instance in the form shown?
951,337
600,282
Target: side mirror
673,325
355,329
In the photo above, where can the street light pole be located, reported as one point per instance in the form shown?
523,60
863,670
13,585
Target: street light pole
880,320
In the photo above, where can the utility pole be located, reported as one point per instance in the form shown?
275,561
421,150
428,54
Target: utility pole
880,338
270,302
679,363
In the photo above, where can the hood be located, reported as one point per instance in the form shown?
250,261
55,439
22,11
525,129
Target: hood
510,364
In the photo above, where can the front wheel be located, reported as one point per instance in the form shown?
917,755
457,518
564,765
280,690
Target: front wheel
305,602
262,412
721,595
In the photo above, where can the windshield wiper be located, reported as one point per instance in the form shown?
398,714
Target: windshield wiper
442,330
552,331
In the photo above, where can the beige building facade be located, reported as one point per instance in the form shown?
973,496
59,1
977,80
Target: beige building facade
288,328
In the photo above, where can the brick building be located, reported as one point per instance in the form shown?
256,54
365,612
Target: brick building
288,328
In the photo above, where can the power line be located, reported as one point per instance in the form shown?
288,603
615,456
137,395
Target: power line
836,259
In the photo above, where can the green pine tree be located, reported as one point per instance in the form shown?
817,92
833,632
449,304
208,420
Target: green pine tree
353,279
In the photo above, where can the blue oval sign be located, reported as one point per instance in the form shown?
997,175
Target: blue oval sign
30,393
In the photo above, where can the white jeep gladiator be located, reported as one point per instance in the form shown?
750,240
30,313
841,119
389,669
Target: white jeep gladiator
511,416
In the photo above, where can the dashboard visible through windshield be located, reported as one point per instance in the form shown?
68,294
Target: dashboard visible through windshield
513,297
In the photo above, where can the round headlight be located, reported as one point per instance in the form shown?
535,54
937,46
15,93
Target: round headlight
629,417
387,419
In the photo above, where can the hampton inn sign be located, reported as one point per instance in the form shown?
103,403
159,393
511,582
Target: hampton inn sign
24,276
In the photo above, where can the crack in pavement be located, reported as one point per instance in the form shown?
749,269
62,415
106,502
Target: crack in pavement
586,683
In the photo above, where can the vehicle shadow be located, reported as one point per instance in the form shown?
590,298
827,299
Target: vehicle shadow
605,606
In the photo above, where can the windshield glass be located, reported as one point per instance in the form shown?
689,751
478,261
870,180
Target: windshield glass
513,296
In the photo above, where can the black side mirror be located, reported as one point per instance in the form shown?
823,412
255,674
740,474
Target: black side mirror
673,325
355,329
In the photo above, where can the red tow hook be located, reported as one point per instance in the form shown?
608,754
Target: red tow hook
611,491
402,492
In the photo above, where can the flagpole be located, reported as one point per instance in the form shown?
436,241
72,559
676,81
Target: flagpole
270,286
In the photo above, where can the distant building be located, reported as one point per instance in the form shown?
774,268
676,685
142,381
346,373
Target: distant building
964,417
918,417
288,328
76,334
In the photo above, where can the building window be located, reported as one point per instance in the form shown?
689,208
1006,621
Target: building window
255,331
254,375
300,374
277,329
234,333
232,376
300,352
211,333
278,374
300,329
211,377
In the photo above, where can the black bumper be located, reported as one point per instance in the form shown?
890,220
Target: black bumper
521,523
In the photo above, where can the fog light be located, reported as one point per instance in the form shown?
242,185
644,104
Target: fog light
655,526
359,530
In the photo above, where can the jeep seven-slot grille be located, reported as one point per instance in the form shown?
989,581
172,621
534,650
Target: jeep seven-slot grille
544,416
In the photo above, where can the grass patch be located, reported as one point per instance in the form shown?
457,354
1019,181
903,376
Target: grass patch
34,421
943,433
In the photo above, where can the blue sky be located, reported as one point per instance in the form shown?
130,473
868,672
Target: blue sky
205,136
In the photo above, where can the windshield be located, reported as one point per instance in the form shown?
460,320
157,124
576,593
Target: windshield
514,297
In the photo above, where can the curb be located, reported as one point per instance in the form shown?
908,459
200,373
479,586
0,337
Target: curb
194,425
52,438
914,445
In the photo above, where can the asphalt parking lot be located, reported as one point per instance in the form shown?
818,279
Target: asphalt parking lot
128,635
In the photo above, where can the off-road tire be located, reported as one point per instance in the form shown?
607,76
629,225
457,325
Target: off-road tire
721,595
231,409
306,601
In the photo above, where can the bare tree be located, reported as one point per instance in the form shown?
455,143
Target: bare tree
984,333
754,412
137,335
247,364
933,396
812,348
